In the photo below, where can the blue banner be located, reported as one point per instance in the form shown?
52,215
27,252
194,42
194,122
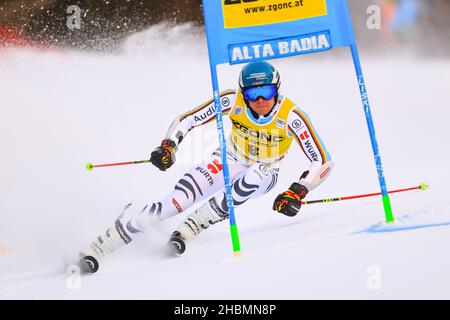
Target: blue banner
248,30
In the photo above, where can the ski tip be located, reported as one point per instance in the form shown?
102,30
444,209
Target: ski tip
423,186
237,254
89,166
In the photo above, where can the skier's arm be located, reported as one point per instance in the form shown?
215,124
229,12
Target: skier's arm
300,127
163,157
199,116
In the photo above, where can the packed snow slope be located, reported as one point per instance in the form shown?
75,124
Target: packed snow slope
61,110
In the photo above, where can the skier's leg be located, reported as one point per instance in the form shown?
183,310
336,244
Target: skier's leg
122,232
252,182
257,180
199,183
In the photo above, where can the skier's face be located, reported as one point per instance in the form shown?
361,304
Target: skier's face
262,106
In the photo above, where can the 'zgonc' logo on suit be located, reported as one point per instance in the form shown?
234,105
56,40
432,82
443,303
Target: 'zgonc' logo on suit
259,134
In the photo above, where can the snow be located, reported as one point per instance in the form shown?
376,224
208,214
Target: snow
61,110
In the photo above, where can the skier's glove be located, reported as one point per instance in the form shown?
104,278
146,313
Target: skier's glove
163,157
289,202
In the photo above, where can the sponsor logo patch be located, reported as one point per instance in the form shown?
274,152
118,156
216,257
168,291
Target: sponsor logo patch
215,167
310,149
323,174
206,114
296,124
304,135
225,102
280,123
206,175
262,135
177,205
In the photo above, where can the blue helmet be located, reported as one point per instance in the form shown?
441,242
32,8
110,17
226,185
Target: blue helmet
260,73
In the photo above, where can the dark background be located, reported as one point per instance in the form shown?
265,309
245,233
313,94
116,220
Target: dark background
106,22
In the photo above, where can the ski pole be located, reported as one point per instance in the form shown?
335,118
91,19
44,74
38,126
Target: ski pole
91,166
422,186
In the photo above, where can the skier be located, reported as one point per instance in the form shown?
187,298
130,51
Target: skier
264,124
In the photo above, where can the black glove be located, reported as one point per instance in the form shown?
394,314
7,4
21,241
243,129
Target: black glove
289,202
163,157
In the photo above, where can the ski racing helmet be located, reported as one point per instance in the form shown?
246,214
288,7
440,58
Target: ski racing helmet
259,79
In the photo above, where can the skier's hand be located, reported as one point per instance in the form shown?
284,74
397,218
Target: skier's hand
289,202
163,157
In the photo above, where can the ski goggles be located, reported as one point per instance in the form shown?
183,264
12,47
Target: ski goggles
266,92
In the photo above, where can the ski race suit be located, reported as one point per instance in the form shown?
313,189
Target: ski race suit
254,149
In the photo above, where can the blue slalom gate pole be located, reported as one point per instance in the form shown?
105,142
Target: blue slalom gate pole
223,152
373,139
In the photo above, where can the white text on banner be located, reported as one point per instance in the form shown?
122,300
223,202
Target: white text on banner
278,48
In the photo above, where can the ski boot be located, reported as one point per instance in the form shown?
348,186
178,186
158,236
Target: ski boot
208,214
114,238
